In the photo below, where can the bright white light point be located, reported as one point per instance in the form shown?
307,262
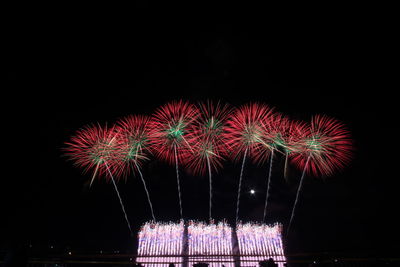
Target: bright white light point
252,191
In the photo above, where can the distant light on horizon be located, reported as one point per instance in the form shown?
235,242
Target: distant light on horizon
252,191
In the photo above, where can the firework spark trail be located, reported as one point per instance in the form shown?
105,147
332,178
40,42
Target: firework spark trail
240,186
210,194
285,167
94,175
147,192
119,197
268,184
177,179
297,195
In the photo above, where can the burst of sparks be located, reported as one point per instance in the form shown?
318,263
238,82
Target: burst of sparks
207,139
328,145
95,148
170,129
246,131
134,141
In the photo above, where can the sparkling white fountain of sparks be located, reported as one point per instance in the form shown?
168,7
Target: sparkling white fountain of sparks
159,243
209,242
164,243
258,242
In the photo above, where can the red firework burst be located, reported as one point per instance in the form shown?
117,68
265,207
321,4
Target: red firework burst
170,130
245,131
283,134
326,148
133,141
207,139
276,130
95,148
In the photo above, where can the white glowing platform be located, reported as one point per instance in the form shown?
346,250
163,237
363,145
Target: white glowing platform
215,244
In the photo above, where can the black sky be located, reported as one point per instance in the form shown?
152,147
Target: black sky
100,69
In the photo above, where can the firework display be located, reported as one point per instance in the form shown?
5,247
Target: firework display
208,141
327,147
133,140
94,148
200,138
170,130
209,146
246,131
169,134
246,135
163,243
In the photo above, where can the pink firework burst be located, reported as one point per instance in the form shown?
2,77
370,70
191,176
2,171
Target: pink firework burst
326,148
170,130
95,148
134,142
207,139
246,133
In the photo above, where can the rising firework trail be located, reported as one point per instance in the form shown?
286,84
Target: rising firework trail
240,187
297,195
177,180
210,192
147,192
119,197
268,184
170,133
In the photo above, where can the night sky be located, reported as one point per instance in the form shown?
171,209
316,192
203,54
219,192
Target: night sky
99,70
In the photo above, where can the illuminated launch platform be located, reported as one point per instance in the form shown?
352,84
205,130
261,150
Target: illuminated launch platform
216,244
